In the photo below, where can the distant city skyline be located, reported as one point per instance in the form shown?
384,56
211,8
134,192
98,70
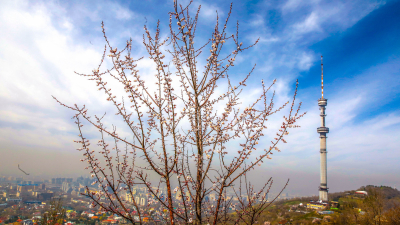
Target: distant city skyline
46,41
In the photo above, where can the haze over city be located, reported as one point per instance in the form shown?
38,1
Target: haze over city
44,42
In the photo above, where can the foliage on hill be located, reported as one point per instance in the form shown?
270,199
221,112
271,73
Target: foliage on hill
388,192
380,206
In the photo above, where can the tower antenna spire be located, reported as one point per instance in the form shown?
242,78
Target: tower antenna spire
322,78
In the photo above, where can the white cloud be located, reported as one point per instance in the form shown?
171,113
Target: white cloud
121,13
209,12
292,5
262,31
39,60
326,16
306,61
310,24
257,21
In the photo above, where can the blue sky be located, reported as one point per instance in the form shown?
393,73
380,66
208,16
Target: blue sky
43,42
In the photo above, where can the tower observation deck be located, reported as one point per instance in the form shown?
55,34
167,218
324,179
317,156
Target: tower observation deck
322,103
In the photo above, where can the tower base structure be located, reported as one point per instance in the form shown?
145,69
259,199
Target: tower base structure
323,194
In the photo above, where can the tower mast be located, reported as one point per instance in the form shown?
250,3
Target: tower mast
322,78
322,102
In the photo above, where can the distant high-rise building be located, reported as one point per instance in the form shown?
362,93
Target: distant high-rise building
22,188
66,186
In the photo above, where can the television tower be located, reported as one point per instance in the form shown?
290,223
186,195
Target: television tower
322,102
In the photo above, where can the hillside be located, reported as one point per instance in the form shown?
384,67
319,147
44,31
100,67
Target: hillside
382,203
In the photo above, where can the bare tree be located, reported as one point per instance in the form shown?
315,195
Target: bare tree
393,215
373,205
178,133
253,203
55,213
